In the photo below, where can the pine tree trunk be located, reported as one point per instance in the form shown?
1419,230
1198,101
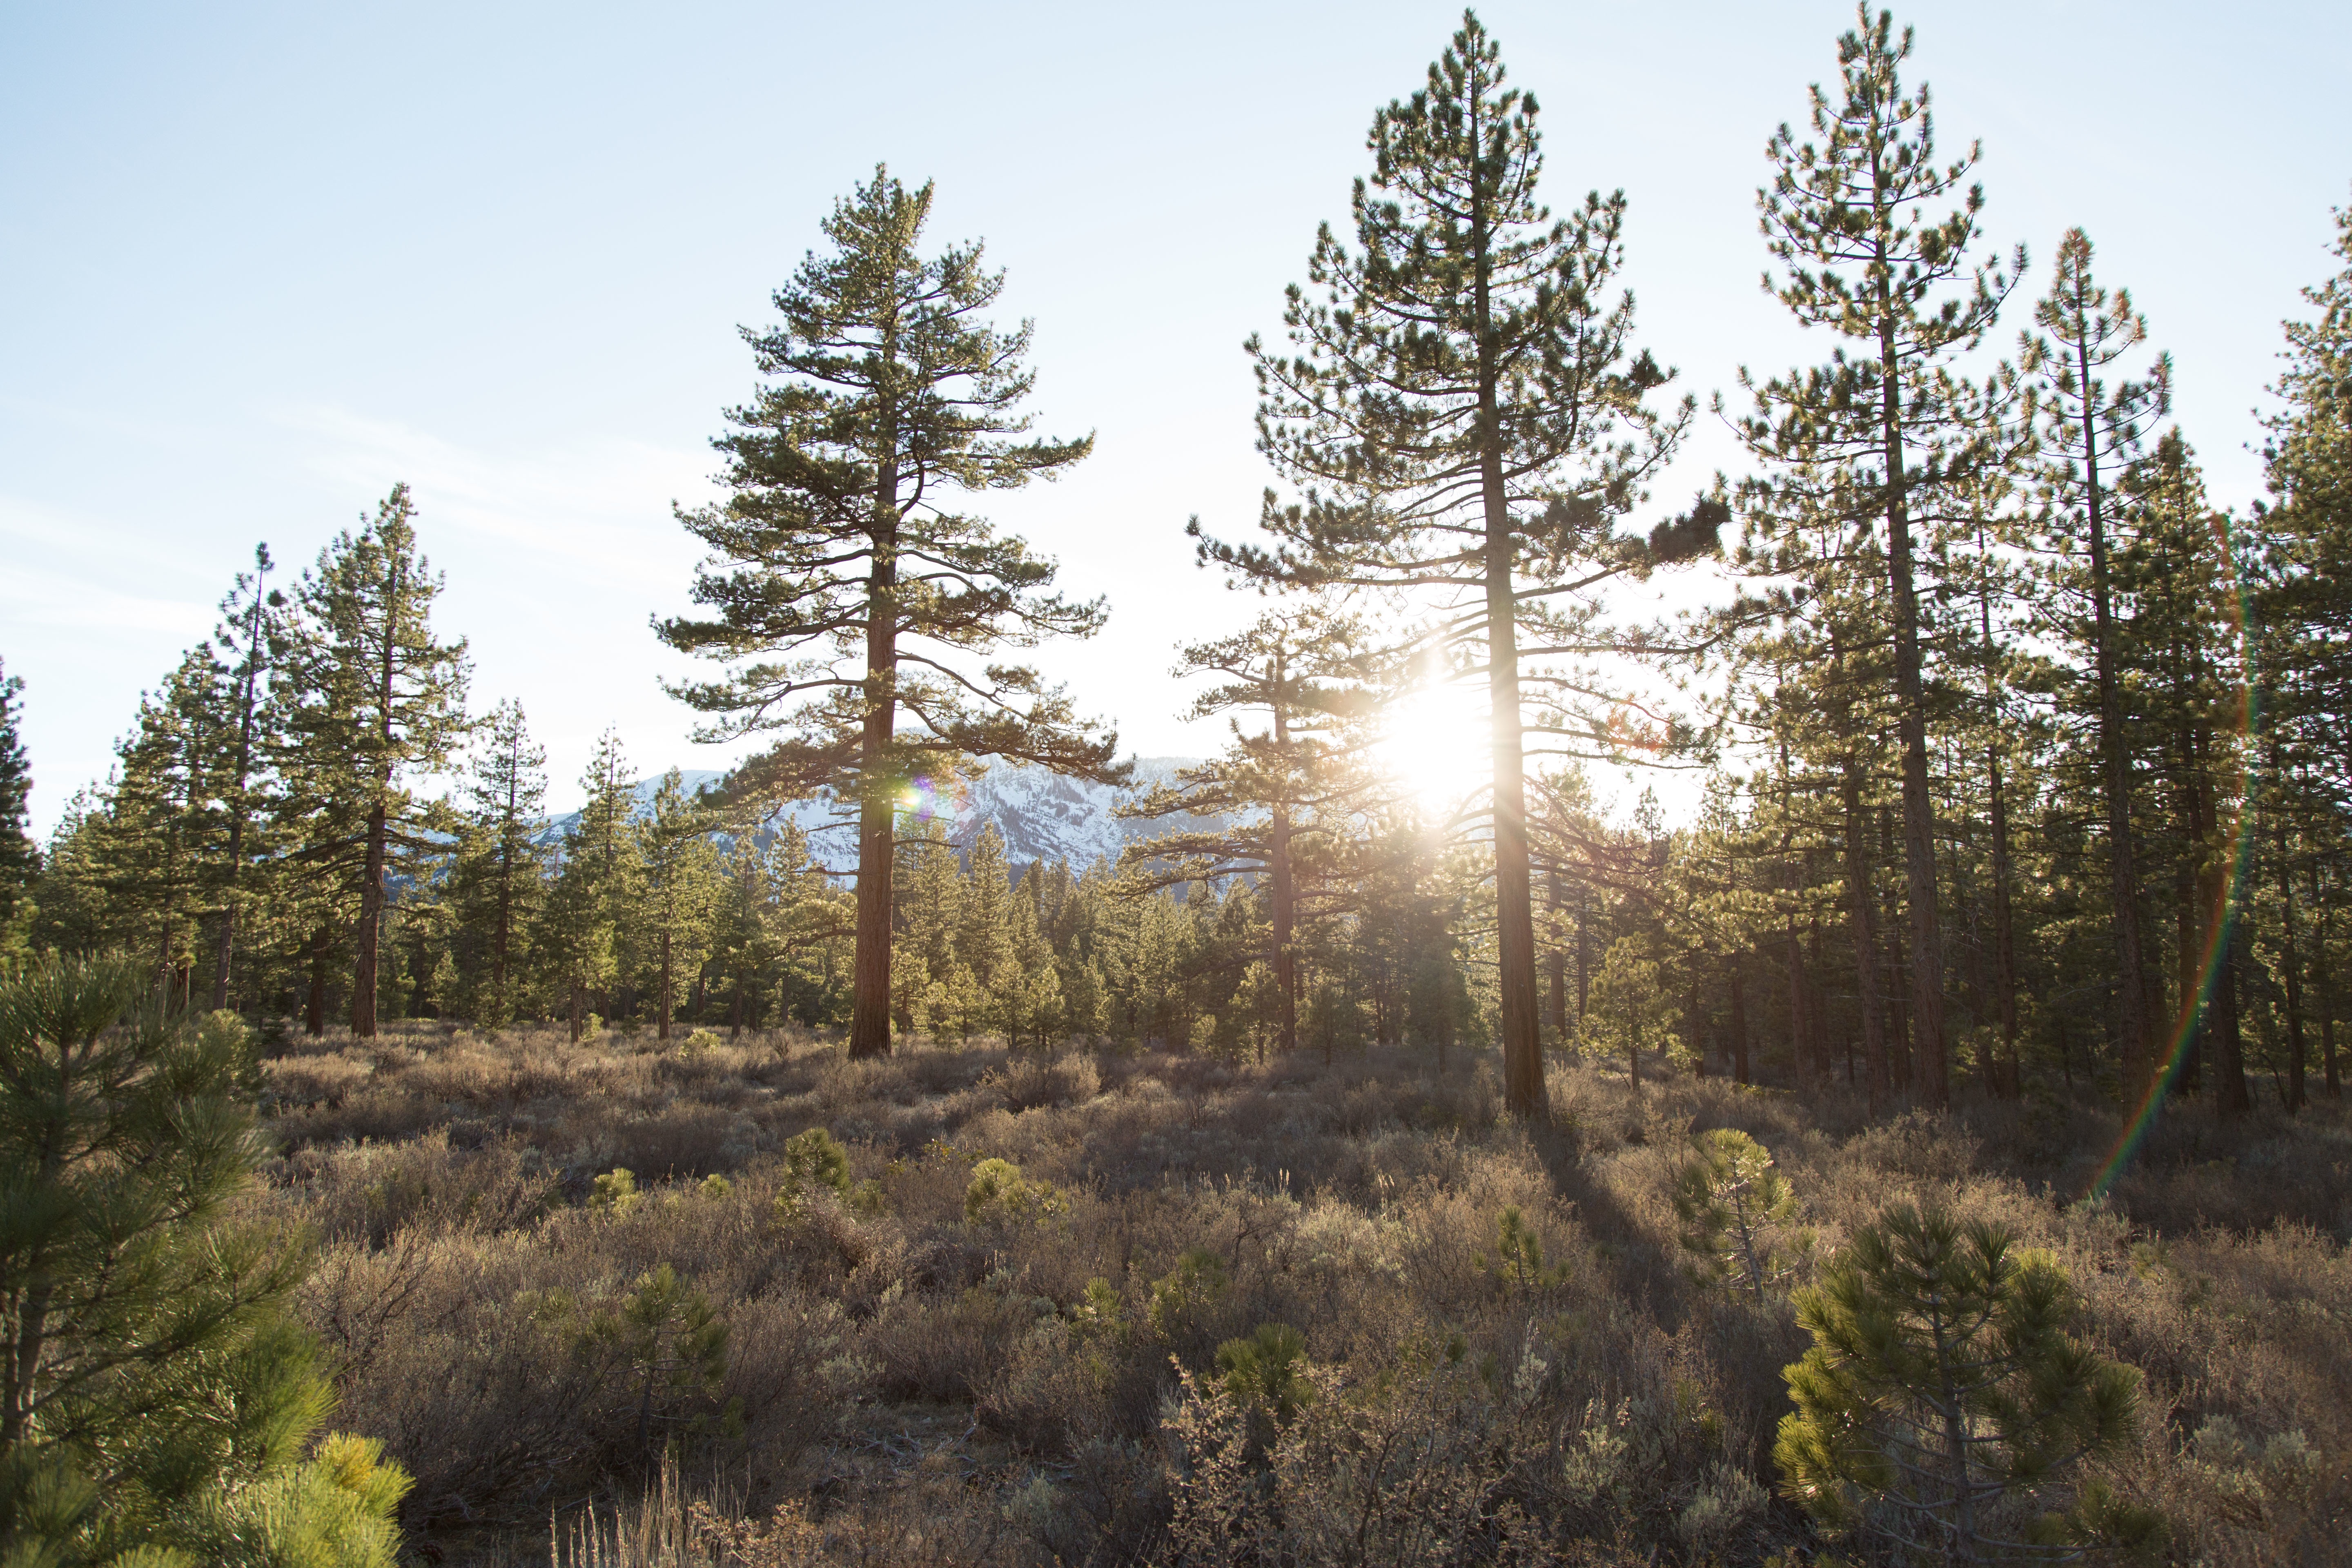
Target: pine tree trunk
1931,1074
668,988
1583,952
502,938
1515,938
1797,1008
371,881
2230,1099
372,898
1556,963
869,1020
1817,1013
225,952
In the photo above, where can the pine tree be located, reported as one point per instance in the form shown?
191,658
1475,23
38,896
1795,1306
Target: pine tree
505,795
1890,425
681,871
20,861
2184,662
250,629
370,700
1277,799
846,597
2093,428
1943,1383
2308,529
152,841
1464,413
159,1393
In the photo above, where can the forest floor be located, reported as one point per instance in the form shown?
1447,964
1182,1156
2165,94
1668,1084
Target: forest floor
912,1376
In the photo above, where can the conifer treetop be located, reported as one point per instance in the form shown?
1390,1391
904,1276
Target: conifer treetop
892,395
1377,414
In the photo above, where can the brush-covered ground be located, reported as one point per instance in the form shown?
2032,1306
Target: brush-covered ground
917,1369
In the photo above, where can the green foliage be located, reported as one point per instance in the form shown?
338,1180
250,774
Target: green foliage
998,1193
1267,1368
670,1339
1630,1011
368,700
1519,1260
1099,1312
1181,1295
1736,1208
890,393
700,1041
170,1397
19,860
1943,1392
616,1191
814,1159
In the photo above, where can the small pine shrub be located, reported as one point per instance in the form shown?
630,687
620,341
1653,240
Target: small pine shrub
1943,1389
1181,1295
1736,1210
1099,1313
1519,1260
1267,1368
668,1337
616,1192
998,1193
162,1397
816,1159
699,1043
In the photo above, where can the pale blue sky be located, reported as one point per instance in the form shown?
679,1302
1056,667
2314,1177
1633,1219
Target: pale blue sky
256,263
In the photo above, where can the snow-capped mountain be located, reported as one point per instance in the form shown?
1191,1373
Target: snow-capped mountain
1041,814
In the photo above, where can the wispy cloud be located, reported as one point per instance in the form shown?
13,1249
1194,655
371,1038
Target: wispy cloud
600,508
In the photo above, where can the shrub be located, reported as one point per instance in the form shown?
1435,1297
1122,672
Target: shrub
1519,1260
813,1159
999,1191
1943,1387
1735,1207
163,1396
1267,1368
616,1192
1182,1295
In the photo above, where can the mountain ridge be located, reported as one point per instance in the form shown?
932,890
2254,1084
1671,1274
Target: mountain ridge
1041,814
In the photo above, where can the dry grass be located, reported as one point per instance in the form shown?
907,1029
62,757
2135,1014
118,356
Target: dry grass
911,1386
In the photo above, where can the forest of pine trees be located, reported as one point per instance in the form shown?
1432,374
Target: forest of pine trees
2022,767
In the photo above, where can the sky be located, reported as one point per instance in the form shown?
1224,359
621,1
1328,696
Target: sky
258,263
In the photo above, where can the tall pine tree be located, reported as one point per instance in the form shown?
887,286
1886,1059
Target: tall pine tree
2093,429
1846,218
1464,413
370,701
857,610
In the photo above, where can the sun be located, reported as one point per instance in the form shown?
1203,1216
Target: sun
1436,742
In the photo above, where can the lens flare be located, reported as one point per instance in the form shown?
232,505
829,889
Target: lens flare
2220,920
